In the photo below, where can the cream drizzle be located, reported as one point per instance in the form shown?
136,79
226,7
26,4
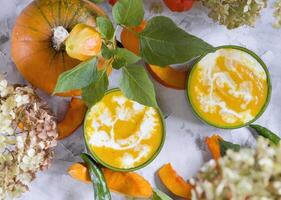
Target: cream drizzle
102,139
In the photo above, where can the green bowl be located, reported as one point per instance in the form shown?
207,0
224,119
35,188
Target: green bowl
98,160
268,83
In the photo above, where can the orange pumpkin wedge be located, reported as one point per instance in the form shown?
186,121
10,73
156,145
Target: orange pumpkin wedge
213,146
33,50
73,119
175,183
130,39
79,171
72,93
167,76
127,183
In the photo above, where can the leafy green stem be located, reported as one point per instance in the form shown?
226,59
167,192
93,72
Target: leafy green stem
266,133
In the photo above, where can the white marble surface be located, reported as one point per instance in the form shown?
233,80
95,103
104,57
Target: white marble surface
183,146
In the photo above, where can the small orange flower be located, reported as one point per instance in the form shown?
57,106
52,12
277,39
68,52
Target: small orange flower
83,42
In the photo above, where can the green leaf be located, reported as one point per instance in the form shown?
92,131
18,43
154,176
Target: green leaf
106,28
159,195
100,187
266,133
129,56
78,77
124,57
106,52
118,63
94,92
136,85
163,43
225,145
128,12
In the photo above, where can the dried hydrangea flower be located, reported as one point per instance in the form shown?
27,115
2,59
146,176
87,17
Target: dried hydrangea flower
28,132
277,14
247,174
235,13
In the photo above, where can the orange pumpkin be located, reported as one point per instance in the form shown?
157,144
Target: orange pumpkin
34,49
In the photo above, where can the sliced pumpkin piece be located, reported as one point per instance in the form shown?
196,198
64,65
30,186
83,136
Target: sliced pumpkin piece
127,183
130,39
79,171
175,183
73,119
167,76
72,93
214,146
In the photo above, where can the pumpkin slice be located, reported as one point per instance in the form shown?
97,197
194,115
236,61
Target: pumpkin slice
214,146
175,183
127,183
72,93
79,172
166,76
73,119
130,40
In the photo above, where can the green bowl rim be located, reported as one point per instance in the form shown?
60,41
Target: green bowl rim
156,153
254,55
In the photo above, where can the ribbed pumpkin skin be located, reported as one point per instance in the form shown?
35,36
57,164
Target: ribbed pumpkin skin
32,47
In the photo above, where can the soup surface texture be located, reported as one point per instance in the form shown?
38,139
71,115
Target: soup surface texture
228,88
122,133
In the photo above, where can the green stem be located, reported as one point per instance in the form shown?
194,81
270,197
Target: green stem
266,133
100,188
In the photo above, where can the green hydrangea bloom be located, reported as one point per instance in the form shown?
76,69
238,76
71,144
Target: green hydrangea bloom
277,14
235,13
248,174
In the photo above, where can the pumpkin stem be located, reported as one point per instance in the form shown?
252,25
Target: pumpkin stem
59,36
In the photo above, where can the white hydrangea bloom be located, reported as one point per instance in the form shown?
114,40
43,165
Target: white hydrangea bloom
247,174
277,14
27,134
235,13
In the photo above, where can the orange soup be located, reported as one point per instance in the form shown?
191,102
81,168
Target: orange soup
122,133
228,88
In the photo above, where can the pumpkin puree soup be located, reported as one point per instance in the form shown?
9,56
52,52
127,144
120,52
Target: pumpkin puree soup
228,88
122,133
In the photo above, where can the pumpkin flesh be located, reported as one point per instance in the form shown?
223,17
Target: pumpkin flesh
175,183
73,118
127,183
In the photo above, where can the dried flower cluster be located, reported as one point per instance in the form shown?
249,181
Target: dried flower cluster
235,13
27,134
277,14
247,174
